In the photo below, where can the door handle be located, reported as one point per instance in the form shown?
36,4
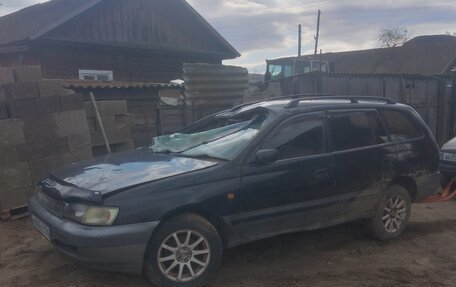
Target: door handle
321,174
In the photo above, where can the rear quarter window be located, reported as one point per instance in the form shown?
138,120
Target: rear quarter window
400,125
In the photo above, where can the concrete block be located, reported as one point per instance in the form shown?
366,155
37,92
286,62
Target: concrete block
124,146
71,123
40,128
3,111
107,108
49,104
116,133
42,149
6,76
22,108
11,132
92,123
72,102
99,150
117,122
89,109
68,91
15,176
97,139
77,156
113,138
8,156
79,142
21,90
41,167
48,88
12,198
27,73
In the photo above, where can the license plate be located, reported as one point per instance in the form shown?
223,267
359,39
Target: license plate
449,156
42,227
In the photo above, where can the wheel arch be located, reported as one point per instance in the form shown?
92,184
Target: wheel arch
214,219
409,184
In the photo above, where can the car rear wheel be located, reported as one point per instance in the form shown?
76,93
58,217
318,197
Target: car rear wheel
392,214
185,251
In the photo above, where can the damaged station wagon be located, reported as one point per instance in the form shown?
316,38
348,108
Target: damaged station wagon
255,171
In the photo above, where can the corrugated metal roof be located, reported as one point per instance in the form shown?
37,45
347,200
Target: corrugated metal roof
83,84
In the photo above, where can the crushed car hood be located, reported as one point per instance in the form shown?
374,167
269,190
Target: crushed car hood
122,170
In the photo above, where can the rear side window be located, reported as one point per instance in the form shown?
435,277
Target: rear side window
356,129
299,138
400,126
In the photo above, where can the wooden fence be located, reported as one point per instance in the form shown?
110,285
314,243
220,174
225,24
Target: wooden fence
430,96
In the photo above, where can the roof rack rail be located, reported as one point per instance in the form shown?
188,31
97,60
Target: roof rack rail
288,97
353,99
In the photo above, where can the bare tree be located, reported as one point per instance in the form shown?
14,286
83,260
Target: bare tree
392,37
451,34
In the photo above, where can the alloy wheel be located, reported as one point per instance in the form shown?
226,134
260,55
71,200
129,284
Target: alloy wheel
184,256
394,214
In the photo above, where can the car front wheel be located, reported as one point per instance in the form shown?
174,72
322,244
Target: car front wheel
185,251
392,214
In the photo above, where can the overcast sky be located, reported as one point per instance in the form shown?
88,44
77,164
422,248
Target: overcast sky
261,29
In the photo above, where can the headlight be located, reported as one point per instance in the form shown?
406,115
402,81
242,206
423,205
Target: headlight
446,156
92,215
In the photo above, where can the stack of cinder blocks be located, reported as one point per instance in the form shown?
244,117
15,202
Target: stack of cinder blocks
116,122
42,126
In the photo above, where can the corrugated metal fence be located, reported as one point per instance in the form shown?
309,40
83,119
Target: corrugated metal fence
430,96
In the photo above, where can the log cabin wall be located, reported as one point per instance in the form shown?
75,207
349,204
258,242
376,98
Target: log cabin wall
127,65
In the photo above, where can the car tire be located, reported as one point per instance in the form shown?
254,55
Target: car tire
392,214
188,242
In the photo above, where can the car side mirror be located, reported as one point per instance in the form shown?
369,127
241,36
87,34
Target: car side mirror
267,155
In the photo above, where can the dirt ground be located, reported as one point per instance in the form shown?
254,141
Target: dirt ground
341,256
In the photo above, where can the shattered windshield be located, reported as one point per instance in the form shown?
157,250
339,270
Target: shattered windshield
218,137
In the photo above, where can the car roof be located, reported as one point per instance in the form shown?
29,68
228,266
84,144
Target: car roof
314,102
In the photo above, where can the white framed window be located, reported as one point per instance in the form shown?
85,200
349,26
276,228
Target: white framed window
96,75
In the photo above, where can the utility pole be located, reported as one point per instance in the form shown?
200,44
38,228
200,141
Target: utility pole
318,33
453,103
299,39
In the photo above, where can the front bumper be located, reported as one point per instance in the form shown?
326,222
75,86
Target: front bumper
114,248
447,169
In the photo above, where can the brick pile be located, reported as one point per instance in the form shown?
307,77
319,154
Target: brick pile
117,123
42,126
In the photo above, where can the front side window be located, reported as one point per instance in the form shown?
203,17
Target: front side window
356,129
298,138
400,126
275,71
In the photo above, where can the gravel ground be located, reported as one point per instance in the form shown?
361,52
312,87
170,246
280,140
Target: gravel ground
340,256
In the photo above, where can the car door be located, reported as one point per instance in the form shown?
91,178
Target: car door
282,196
364,158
